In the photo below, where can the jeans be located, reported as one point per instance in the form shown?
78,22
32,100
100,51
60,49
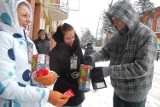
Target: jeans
80,105
117,102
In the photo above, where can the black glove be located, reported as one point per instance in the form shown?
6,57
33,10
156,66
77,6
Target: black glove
87,60
97,78
96,73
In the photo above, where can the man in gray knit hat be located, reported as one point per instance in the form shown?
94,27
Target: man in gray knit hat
131,51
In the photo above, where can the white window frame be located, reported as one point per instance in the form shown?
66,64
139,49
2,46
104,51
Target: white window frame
150,22
158,24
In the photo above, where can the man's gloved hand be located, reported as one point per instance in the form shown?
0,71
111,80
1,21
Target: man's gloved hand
97,78
48,79
87,59
96,73
57,99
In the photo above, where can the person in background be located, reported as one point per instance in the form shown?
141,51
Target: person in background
15,87
131,52
42,43
89,49
65,60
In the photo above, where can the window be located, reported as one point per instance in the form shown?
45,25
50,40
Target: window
158,23
150,22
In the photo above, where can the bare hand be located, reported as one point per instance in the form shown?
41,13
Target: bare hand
47,79
57,99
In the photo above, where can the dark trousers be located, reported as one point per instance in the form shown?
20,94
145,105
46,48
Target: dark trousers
117,102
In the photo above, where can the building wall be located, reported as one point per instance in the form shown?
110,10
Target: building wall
157,10
32,2
37,16
41,20
156,14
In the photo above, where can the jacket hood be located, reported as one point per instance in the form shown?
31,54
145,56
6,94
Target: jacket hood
124,11
8,16
43,32
58,37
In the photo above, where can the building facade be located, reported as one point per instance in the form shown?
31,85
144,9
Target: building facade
153,20
47,14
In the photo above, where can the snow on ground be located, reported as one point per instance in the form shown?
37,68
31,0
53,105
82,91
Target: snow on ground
153,99
104,97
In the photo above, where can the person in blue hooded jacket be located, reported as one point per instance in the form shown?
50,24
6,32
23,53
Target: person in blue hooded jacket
15,60
131,52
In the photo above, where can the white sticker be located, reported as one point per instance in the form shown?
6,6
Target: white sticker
73,62
100,85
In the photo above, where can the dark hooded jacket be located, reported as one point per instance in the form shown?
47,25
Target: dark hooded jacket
60,63
43,46
131,55
89,49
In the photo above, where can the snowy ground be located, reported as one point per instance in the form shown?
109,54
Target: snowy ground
103,97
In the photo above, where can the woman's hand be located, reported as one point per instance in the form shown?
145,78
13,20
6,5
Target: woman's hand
57,99
48,79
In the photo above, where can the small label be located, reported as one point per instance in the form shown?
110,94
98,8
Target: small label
69,93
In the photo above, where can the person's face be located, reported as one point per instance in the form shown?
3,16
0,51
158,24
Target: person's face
43,36
23,16
118,23
69,37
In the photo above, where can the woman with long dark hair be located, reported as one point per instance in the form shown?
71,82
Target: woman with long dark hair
65,60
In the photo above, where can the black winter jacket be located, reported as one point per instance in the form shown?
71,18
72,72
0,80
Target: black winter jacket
60,63
43,46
